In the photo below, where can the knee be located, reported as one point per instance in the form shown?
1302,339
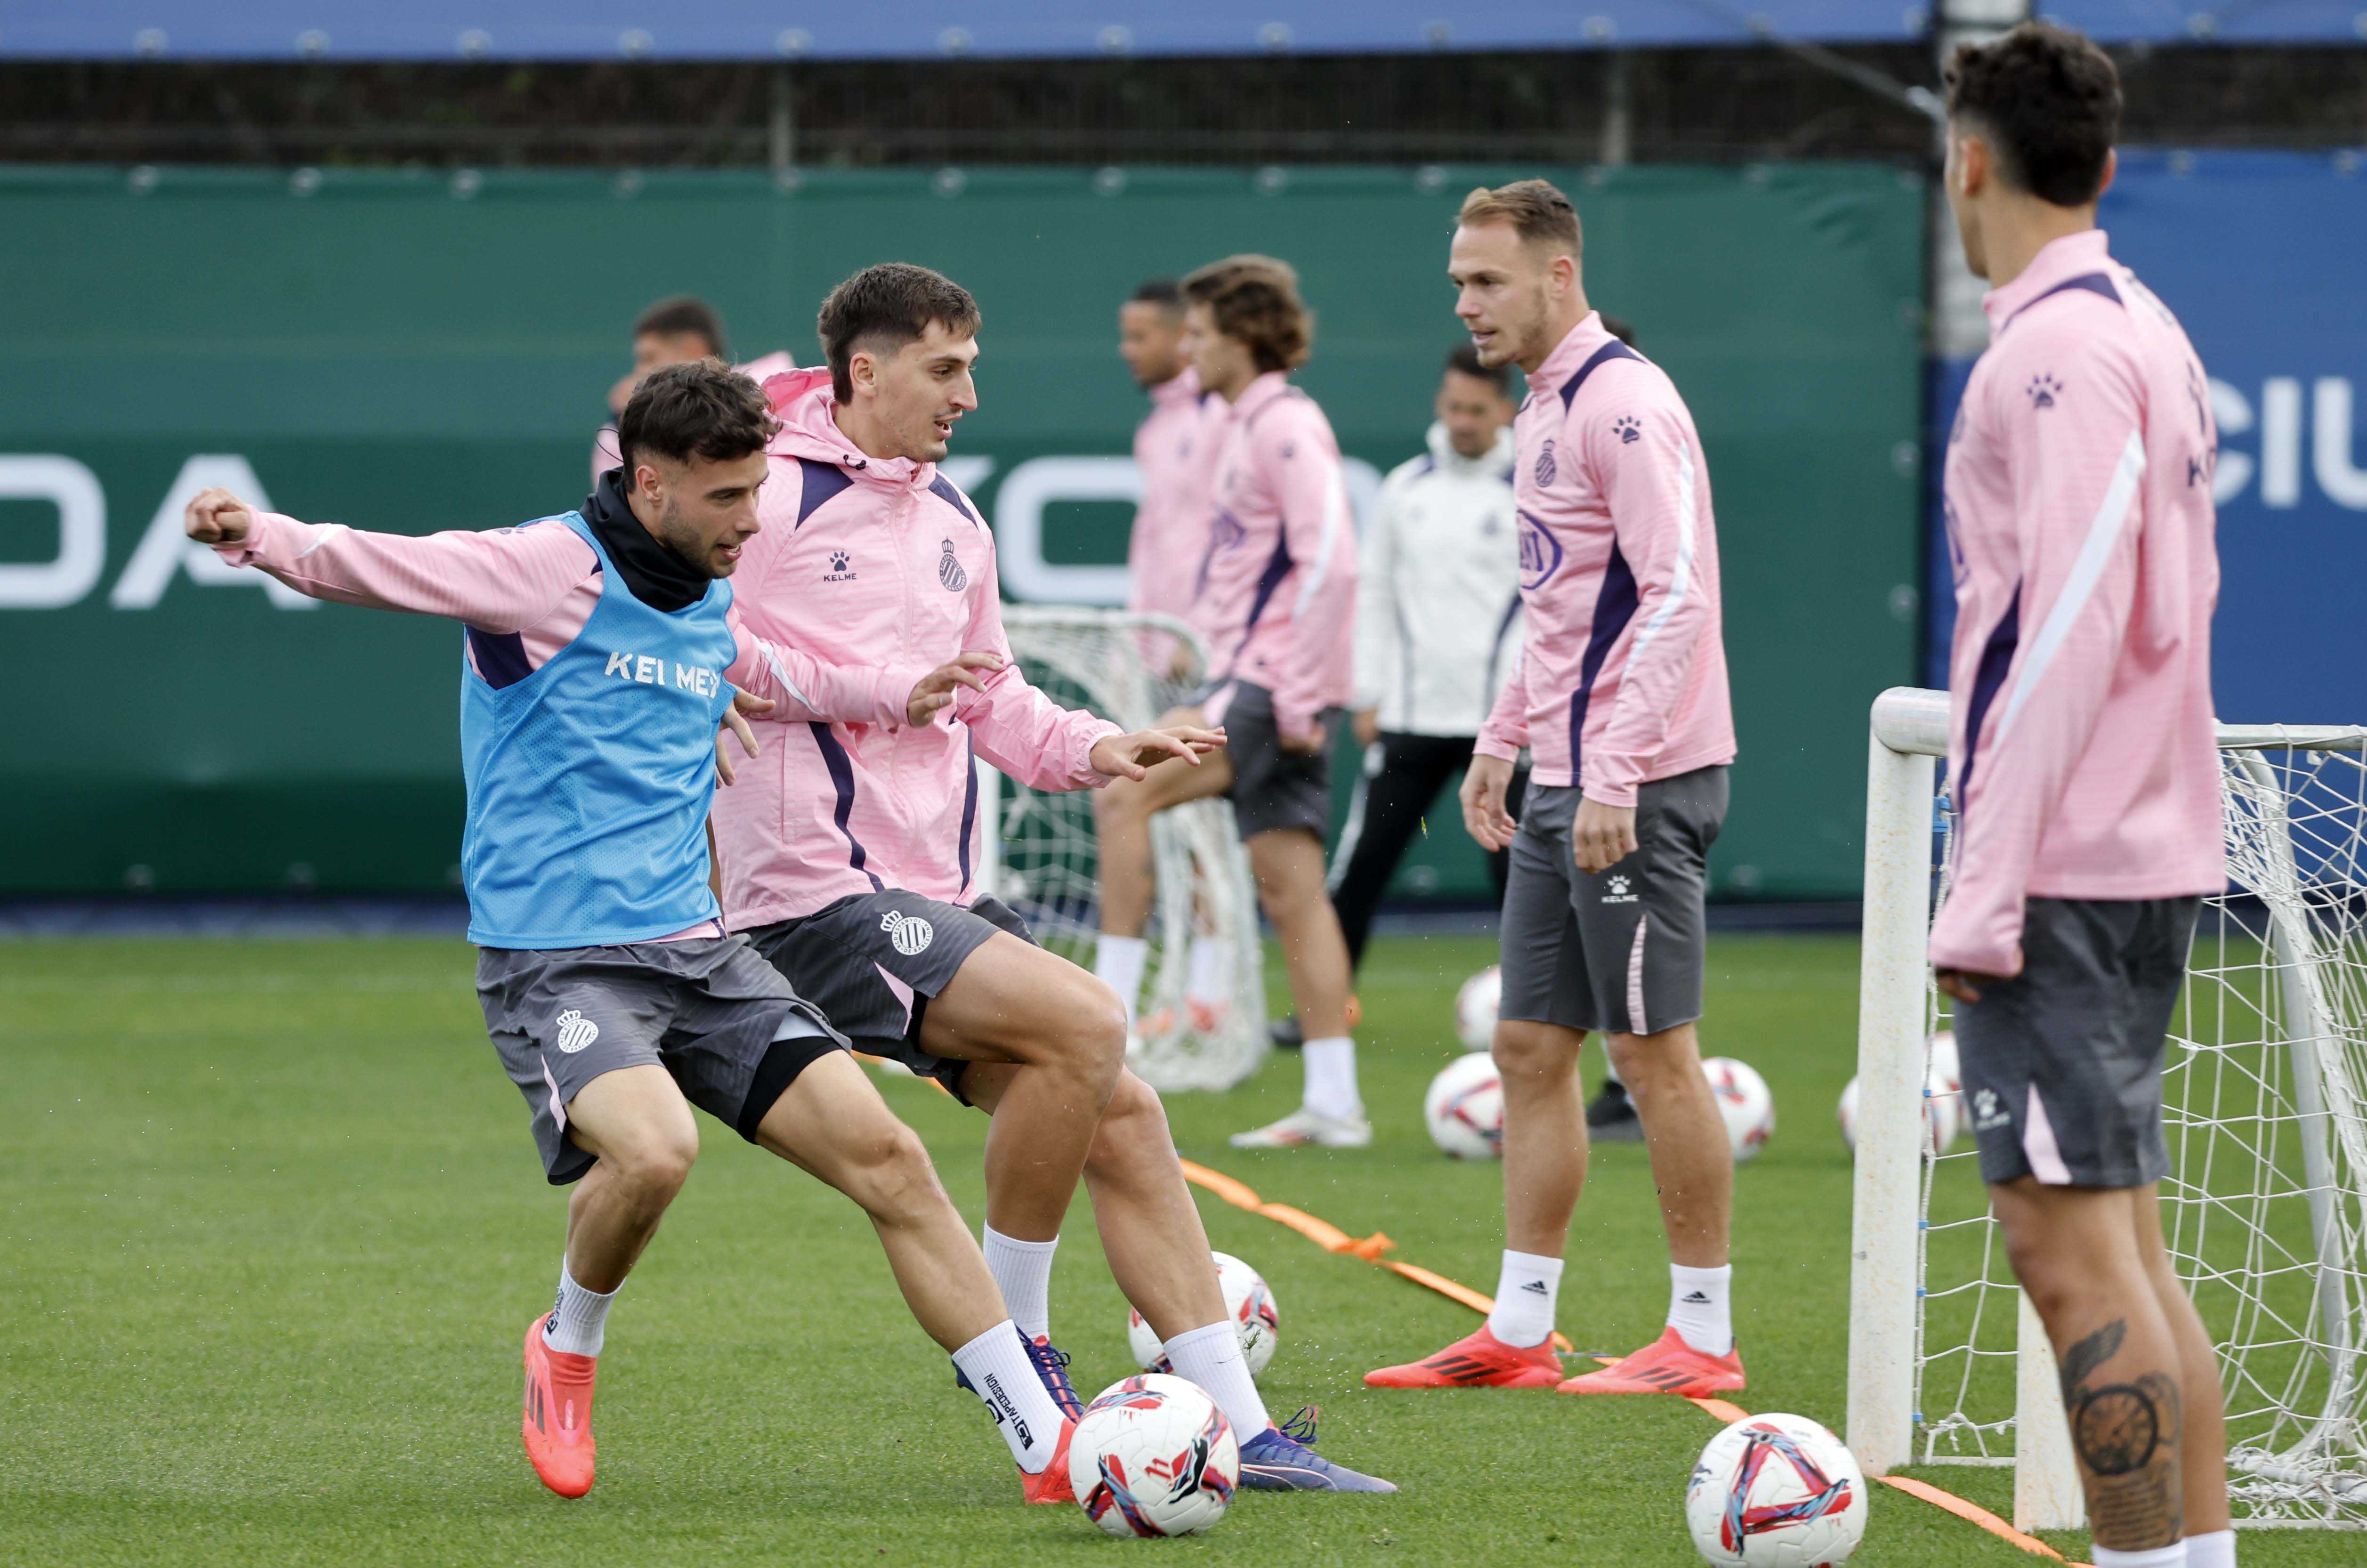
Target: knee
1133,1129
1652,1064
653,1166
1528,1057
891,1175
1094,1038
1124,803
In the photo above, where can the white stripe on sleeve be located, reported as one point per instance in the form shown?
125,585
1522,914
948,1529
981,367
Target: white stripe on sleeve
1681,588
1335,512
2087,570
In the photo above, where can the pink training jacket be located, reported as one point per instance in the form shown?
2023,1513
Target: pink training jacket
1170,522
1622,678
876,559
2080,530
1277,600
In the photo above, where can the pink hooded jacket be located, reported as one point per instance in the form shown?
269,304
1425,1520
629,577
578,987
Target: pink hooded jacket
875,563
1170,522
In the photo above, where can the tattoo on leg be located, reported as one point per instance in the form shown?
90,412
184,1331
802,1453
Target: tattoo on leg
2127,1436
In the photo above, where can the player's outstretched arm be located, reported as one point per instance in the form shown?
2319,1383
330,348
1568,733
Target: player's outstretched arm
1133,756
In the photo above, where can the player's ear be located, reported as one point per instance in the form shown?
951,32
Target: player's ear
2111,167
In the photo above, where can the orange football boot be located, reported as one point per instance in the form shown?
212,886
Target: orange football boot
1477,1361
1050,1485
1667,1365
558,1421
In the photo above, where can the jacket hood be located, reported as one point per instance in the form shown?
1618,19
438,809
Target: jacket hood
802,401
1496,461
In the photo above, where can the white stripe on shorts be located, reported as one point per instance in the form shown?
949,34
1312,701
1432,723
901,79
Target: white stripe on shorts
2038,1145
1635,1024
903,993
558,1106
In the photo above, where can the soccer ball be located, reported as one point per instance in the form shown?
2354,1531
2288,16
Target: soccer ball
1249,1301
1944,1100
1776,1491
1475,1008
1744,1101
1464,1109
1154,1456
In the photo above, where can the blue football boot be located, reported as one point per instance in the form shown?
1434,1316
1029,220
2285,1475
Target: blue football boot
1283,1459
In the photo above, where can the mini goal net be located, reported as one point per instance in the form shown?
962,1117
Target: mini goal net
1045,861
2265,1206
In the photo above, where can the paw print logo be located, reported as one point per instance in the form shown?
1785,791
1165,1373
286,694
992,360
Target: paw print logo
838,561
1628,430
1616,887
2043,388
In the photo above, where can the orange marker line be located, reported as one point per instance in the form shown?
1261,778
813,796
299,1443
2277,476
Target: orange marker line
1330,1238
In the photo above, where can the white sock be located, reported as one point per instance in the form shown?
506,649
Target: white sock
1022,1272
1331,1077
579,1322
2216,1549
2170,1556
997,1366
1120,961
1699,1307
1212,971
1525,1292
1211,1356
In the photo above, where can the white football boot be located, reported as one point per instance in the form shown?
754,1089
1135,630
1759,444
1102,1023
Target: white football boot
1303,1127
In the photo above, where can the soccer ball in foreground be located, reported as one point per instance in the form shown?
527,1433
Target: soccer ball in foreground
1154,1456
1776,1491
1249,1301
1744,1101
1464,1109
1475,1008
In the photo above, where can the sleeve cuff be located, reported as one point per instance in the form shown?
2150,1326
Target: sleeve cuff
1496,746
1609,794
1093,777
896,694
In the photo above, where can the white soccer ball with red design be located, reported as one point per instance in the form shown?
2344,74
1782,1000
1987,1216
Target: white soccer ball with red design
1154,1456
1744,1101
1464,1109
1943,1099
1776,1491
1249,1301
1475,1008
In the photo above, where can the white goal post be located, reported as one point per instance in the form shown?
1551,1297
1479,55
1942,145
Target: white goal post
2265,1207
1041,852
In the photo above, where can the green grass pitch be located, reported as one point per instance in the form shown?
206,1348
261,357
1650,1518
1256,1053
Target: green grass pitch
270,1229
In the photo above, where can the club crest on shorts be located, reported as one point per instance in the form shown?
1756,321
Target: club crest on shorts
908,932
949,571
576,1032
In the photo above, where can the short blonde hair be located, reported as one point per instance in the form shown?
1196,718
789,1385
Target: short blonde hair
1536,209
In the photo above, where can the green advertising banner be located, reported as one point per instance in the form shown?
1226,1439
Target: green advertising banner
423,351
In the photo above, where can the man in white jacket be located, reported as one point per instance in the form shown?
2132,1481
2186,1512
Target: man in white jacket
1435,630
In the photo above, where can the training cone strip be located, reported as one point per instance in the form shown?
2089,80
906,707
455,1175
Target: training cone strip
1332,1239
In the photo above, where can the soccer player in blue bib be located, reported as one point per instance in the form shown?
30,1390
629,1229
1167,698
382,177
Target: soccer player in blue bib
600,657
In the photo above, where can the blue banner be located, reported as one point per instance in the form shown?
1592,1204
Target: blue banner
2258,252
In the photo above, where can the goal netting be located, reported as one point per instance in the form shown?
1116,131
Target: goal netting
2265,1111
1045,862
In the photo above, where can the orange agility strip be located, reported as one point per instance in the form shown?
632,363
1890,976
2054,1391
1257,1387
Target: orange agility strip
1330,1238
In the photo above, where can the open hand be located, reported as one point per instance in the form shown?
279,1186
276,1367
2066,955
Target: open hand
1602,835
214,515
742,702
935,689
1485,784
1132,756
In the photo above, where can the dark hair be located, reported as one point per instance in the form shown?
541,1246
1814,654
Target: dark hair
1165,293
1254,300
1465,361
2048,100
1618,327
685,316
700,408
888,306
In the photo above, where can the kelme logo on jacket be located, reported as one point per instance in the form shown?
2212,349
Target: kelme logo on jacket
949,571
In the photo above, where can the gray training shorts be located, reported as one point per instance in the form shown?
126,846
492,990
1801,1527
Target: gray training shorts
873,960
2062,1064
1622,951
1272,786
707,1010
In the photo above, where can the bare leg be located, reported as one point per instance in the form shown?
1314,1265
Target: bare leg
1013,1003
1288,863
2076,1252
2203,1456
1693,1163
637,1122
1150,1228
1122,814
832,1123
1545,1132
